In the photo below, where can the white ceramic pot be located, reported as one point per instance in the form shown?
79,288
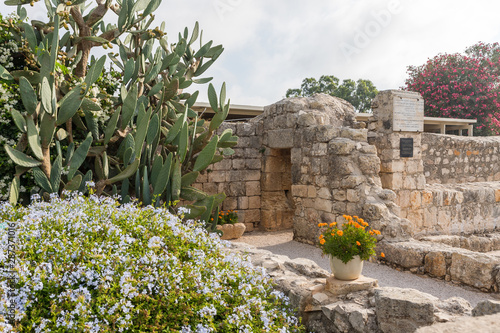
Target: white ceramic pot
350,271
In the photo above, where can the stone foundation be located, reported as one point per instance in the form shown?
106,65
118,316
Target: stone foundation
475,269
348,309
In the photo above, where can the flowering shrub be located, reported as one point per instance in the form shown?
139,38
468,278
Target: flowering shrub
348,240
461,86
90,265
229,217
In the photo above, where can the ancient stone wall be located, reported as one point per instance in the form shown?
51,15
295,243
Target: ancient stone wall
302,162
450,159
239,176
428,185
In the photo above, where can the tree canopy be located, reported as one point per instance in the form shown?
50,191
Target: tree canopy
461,86
359,93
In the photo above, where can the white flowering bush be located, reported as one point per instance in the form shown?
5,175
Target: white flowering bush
86,264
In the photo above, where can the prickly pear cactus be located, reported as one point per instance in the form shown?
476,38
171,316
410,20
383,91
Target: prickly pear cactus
154,145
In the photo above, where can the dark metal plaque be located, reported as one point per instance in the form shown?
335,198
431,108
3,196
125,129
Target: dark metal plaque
406,147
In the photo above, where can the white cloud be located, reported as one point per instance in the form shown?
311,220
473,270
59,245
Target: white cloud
271,46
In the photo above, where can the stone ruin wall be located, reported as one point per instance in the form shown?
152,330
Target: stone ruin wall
450,159
239,176
306,161
302,162
429,194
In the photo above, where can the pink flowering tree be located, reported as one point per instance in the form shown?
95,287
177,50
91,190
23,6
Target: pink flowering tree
462,86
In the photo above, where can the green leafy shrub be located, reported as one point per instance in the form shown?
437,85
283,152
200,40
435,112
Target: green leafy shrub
88,264
353,238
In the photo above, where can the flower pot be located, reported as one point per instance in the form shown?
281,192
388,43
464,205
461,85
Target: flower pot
232,231
350,271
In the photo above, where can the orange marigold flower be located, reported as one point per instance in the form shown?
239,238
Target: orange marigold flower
382,254
355,217
358,243
322,241
376,232
321,236
371,232
357,226
333,224
340,232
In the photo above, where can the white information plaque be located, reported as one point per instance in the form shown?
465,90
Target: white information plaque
408,114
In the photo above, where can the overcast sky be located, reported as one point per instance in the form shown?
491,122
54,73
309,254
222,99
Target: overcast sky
271,45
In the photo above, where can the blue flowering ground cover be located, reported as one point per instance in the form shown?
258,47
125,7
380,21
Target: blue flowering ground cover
87,264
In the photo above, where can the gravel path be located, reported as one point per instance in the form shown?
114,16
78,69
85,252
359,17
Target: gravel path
281,242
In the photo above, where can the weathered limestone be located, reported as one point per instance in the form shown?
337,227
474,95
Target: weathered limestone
486,307
484,324
339,287
455,159
231,231
349,309
403,310
478,270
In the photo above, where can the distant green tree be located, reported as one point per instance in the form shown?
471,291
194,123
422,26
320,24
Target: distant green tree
359,93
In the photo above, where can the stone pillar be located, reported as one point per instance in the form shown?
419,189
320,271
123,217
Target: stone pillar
398,121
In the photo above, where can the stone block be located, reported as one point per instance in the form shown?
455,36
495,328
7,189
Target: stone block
341,146
253,164
325,133
403,310
405,254
323,205
483,324
236,189
252,215
427,197
353,195
354,134
239,164
230,203
351,181
392,181
324,193
283,138
245,129
252,188
340,287
415,199
311,191
435,264
369,164
475,269
217,176
392,166
242,203
251,175
254,202
319,149
340,195
299,191
486,307
403,199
